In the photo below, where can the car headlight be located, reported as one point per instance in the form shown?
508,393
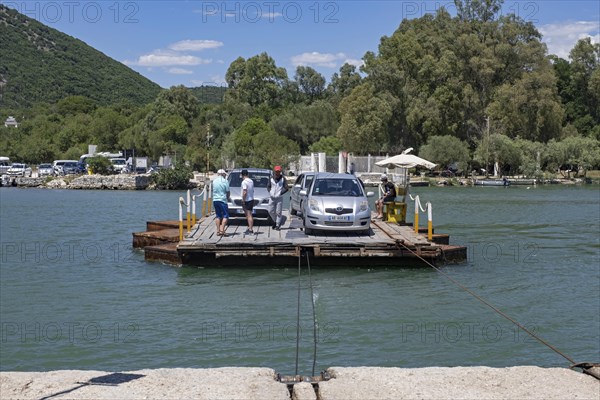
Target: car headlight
314,205
364,206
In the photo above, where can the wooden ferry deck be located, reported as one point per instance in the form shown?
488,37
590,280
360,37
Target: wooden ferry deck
388,244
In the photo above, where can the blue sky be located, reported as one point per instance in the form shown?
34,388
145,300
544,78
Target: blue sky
193,42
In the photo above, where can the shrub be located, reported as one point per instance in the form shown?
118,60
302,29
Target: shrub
177,178
100,165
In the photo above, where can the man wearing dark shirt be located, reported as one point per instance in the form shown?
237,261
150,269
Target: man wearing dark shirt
389,195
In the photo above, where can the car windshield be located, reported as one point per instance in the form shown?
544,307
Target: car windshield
45,166
20,166
71,164
261,179
337,187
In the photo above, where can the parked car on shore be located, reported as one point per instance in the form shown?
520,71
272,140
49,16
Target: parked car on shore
4,165
302,183
260,177
71,168
19,169
45,170
58,166
336,202
119,165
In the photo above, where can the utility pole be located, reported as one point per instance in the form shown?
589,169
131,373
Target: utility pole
208,138
487,146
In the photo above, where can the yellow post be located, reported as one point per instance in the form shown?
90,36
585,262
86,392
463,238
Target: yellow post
193,210
203,213
416,223
188,214
209,199
181,218
429,222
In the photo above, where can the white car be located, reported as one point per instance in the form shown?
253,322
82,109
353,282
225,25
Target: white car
45,170
18,169
336,202
261,178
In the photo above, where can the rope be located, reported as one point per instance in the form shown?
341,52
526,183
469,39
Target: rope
533,335
417,200
298,316
312,296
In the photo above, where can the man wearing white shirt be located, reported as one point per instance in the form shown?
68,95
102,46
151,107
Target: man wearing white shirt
248,199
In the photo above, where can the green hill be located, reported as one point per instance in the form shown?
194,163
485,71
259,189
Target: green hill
41,64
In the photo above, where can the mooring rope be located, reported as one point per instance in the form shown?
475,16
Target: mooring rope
312,296
487,303
298,316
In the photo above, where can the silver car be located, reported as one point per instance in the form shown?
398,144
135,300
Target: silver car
260,177
302,183
336,202
45,170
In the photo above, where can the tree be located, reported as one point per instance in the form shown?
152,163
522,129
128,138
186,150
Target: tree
257,81
499,149
365,116
331,145
573,154
311,84
478,10
446,150
306,124
583,109
256,144
342,84
444,73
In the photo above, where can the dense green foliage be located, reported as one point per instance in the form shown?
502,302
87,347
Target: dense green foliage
41,64
177,178
99,165
473,90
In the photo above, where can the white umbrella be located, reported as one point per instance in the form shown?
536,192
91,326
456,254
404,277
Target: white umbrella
405,160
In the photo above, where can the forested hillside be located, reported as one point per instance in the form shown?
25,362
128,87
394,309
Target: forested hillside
41,64
472,90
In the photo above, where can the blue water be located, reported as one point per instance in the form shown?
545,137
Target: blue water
75,295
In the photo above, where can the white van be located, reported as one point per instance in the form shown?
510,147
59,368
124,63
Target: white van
4,165
119,165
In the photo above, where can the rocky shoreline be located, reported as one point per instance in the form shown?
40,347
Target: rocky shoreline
87,182
524,382
144,181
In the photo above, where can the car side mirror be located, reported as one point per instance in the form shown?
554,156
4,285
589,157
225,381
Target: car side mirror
303,193
370,194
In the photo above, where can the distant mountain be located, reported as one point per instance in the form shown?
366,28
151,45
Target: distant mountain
41,64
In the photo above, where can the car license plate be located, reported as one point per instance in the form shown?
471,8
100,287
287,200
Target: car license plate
339,218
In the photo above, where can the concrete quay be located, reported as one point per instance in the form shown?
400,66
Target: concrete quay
524,382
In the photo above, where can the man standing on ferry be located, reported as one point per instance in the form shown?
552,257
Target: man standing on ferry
277,187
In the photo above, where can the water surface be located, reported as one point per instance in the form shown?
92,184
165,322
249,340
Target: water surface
75,295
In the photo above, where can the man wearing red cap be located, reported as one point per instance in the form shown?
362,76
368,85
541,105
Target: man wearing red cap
277,187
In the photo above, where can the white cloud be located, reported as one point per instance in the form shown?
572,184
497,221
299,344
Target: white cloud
180,71
562,37
355,62
195,45
318,59
165,59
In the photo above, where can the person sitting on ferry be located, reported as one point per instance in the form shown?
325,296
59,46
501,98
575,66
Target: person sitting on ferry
389,195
